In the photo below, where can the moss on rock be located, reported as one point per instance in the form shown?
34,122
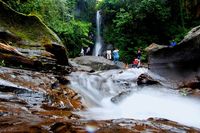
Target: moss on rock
28,29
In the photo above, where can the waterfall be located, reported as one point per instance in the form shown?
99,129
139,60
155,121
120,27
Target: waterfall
98,43
141,103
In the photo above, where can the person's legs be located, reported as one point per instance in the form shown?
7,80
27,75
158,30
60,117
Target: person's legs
109,56
115,59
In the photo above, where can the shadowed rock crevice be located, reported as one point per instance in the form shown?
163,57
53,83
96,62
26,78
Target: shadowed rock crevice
179,63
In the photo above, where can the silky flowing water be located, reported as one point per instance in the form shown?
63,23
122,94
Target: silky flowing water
98,43
141,103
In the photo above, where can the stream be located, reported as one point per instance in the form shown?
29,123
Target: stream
115,94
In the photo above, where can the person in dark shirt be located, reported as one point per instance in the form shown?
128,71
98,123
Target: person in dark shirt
139,54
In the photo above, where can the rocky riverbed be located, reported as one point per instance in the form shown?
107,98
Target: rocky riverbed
32,101
36,93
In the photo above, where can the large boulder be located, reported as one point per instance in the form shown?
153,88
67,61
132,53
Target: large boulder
179,64
145,79
29,36
10,55
23,30
96,62
59,52
154,47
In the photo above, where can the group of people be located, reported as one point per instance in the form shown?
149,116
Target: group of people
115,55
137,60
85,51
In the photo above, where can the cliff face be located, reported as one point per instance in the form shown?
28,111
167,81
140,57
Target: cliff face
23,30
29,36
180,63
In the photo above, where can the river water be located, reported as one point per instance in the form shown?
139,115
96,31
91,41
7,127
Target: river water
160,101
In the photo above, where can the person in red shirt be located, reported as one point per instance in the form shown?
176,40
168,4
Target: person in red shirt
136,62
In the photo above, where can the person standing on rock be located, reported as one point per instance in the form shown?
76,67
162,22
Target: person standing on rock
116,55
173,43
136,63
88,50
82,52
139,54
108,54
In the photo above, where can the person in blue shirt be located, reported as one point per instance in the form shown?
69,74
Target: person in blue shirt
173,43
116,55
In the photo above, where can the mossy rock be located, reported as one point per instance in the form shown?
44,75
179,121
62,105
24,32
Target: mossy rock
24,31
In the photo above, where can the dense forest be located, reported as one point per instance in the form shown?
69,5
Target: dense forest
127,24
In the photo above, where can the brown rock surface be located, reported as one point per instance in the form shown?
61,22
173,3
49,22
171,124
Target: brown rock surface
28,103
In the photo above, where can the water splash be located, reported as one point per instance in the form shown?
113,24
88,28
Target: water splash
143,103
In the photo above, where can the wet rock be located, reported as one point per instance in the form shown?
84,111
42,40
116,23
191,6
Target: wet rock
154,47
26,49
62,70
192,85
57,106
6,86
145,79
7,49
115,129
59,127
55,85
178,64
78,67
61,97
23,30
195,93
12,93
12,99
96,62
120,96
190,88
59,52
11,55
121,126
7,36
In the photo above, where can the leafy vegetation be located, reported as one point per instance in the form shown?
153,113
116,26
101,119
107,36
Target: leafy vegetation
64,17
130,25
2,63
127,24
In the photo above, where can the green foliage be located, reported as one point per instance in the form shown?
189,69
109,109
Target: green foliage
76,36
179,31
2,63
130,25
60,15
85,10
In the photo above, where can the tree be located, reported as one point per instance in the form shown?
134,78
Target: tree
132,24
60,16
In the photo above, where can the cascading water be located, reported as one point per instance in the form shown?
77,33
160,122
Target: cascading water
99,89
98,43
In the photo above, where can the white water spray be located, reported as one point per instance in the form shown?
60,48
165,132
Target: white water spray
142,103
98,44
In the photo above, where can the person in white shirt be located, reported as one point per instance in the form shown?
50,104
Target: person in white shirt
82,52
108,54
